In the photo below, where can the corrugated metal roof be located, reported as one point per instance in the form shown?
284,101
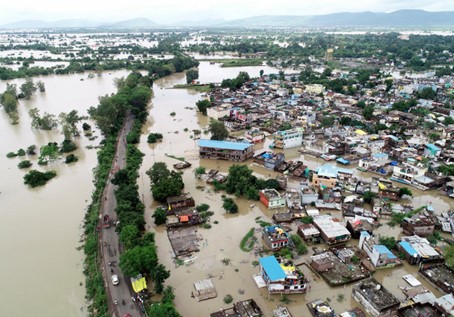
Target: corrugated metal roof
226,145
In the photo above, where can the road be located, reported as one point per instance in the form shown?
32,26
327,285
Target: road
109,240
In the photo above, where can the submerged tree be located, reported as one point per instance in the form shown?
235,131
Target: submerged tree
28,88
46,122
218,130
69,122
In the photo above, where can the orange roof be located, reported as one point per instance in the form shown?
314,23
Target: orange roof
184,218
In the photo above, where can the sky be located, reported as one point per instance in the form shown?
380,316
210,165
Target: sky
171,11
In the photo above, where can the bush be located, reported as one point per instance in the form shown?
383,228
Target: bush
154,137
71,158
67,146
86,126
229,205
36,178
159,216
21,152
24,164
11,155
228,299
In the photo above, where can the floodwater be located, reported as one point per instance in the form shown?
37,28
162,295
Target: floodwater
41,269
223,239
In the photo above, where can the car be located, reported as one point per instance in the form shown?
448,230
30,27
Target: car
115,280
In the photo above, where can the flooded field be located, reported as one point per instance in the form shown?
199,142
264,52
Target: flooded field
41,270
223,239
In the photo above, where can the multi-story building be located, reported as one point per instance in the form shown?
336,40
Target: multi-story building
380,256
271,198
288,138
275,238
225,150
281,276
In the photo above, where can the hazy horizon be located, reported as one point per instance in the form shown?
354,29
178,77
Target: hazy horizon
173,11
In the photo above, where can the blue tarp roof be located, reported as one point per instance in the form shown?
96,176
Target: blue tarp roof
408,248
272,268
226,145
433,147
384,250
343,161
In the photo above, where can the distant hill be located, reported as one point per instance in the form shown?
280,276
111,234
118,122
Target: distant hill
402,18
137,23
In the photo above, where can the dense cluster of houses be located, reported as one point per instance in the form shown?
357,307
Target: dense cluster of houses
407,148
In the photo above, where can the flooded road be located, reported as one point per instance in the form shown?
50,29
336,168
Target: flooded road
41,270
223,239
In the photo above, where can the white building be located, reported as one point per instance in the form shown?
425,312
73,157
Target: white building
288,138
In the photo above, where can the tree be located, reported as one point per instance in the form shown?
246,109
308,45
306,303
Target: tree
368,111
159,275
28,88
448,121
389,242
36,178
261,73
404,191
163,310
449,256
447,169
164,183
69,122
46,122
191,75
40,85
361,104
129,236
229,205
427,93
199,171
139,260
48,153
327,121
159,216
218,130
203,105
368,196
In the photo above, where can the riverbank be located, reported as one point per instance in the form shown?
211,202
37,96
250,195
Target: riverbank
199,88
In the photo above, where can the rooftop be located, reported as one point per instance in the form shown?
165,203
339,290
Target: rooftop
225,145
272,268
329,227
381,249
376,294
331,170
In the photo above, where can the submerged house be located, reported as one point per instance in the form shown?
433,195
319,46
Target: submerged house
418,250
281,276
225,150
271,198
418,224
331,231
375,299
327,176
182,201
288,138
380,256
275,237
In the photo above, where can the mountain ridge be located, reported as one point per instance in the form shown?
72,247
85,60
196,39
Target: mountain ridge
400,18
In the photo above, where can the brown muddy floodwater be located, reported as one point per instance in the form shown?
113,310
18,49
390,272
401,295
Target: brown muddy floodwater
223,239
40,268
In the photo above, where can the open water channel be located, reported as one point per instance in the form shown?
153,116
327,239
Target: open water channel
41,268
